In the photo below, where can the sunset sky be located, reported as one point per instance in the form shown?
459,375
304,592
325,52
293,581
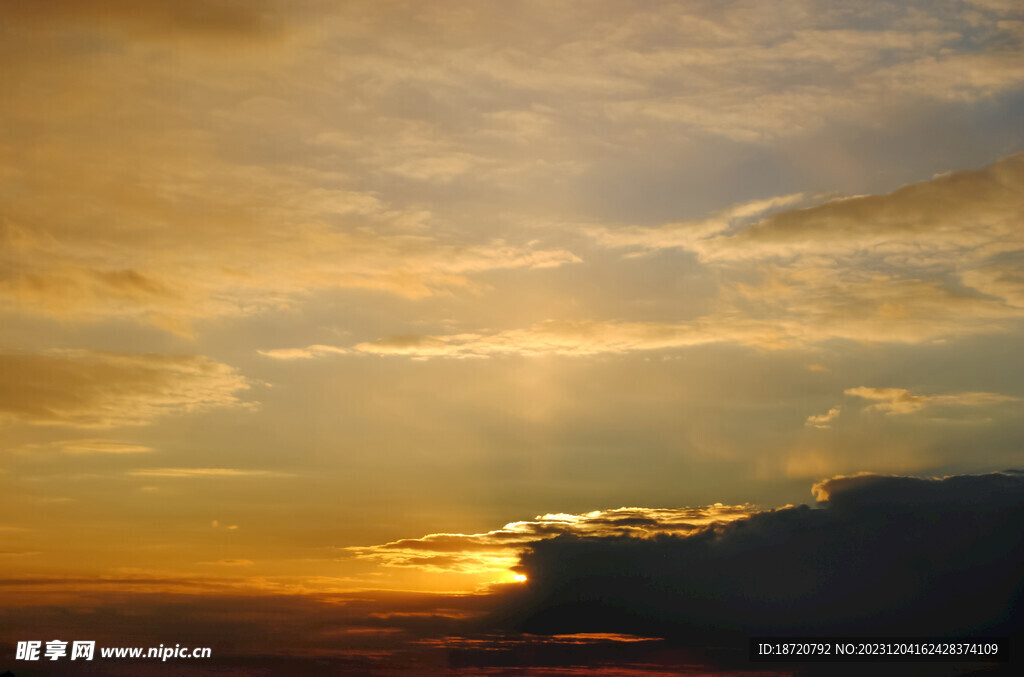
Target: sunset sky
306,298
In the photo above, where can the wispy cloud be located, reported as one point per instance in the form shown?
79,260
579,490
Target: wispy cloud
887,311
916,265
303,353
188,19
106,389
898,401
87,446
75,281
689,234
235,227
823,420
203,472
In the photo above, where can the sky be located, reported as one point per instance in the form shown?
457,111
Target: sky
310,301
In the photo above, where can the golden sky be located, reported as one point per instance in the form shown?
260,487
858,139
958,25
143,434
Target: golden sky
315,297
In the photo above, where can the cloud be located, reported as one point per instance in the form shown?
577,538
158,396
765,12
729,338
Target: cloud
152,20
90,389
728,69
273,630
203,472
441,169
823,420
896,401
303,353
587,338
230,563
76,281
928,262
901,313
688,234
163,179
19,553
498,551
1002,279
856,72
88,446
968,214
159,220
552,338
998,6
957,218
882,556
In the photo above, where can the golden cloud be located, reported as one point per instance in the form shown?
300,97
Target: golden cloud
498,551
866,310
221,272
88,446
896,401
203,472
303,353
823,420
151,20
230,563
88,389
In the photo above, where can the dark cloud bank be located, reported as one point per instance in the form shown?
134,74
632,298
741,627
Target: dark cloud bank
883,555
880,556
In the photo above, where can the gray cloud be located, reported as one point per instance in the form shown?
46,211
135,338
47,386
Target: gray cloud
882,556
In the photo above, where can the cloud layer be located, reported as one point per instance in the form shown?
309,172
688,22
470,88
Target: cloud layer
207,161
924,263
